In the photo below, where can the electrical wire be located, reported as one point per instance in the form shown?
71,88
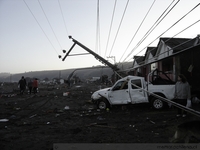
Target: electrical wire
137,30
148,32
140,64
159,20
119,27
49,24
153,27
40,26
110,28
97,47
63,18
143,62
171,27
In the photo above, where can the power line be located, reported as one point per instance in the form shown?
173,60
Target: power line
97,49
153,27
119,26
174,46
138,29
49,24
40,26
171,26
110,27
63,18
143,62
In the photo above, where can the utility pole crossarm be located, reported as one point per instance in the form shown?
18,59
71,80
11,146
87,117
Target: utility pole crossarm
69,51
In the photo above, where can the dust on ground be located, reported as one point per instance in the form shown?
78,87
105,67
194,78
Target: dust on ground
39,121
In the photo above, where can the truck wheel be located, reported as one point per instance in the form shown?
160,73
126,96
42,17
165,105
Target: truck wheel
102,104
157,103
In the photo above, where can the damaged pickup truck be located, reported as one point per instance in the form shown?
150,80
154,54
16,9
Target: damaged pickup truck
133,90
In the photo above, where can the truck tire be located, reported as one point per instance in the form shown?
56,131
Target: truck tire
103,104
157,103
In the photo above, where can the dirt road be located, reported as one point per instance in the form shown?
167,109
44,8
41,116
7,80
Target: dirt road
37,122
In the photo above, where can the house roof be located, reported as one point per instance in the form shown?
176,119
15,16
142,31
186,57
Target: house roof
139,59
178,44
190,44
151,50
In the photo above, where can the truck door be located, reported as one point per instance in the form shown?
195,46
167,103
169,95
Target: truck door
137,94
119,94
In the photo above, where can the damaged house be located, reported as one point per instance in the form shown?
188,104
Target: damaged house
173,56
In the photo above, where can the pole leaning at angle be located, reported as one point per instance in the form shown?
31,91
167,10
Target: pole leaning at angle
101,59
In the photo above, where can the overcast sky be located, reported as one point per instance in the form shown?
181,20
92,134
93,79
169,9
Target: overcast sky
34,32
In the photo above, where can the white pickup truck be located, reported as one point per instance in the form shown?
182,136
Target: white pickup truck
133,90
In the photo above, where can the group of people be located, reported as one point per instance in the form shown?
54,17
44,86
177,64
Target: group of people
32,85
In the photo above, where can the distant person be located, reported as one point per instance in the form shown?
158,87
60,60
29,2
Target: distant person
30,86
22,85
182,93
35,85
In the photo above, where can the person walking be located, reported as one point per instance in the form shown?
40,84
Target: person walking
182,94
30,86
35,85
22,85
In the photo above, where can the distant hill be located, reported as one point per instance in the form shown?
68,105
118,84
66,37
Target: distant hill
4,74
82,73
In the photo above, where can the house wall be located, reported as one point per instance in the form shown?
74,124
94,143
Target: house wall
163,50
147,70
149,58
191,57
177,64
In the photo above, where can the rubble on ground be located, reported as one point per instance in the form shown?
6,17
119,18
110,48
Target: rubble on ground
38,121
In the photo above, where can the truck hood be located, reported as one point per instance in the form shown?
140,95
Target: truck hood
100,93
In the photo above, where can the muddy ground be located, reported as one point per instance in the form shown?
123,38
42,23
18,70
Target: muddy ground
38,122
